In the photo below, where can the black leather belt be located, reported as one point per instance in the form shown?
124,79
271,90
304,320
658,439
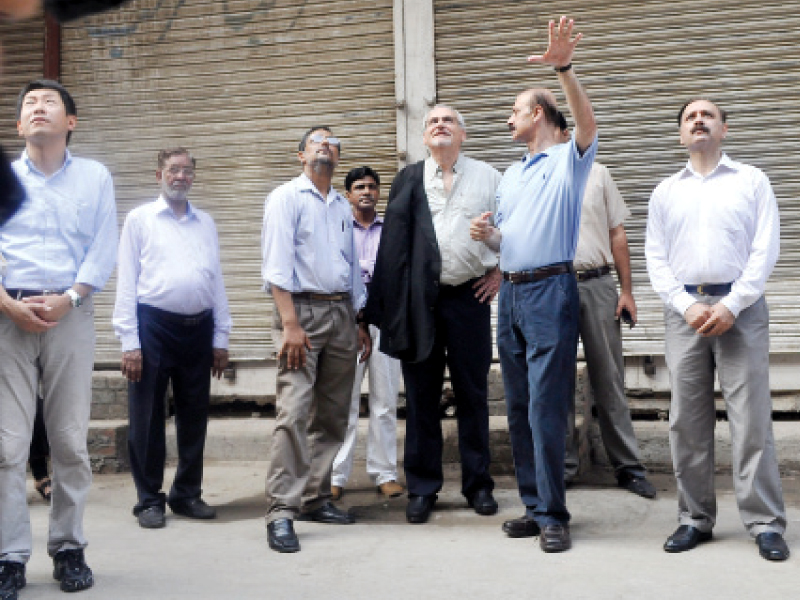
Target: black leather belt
19,294
537,274
585,274
709,289
323,297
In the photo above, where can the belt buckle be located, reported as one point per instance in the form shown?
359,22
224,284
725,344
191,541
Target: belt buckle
700,290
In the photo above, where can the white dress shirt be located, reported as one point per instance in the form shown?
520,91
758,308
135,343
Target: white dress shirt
66,230
473,192
172,264
307,242
721,228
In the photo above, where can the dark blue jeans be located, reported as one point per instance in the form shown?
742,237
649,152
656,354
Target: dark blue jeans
537,338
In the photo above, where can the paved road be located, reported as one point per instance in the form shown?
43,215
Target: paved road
617,549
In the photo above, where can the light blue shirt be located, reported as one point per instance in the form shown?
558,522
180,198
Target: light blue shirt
171,263
307,242
66,230
539,206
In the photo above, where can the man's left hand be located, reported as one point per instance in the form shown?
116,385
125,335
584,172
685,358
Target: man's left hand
486,287
560,47
719,322
56,306
220,362
626,301
364,342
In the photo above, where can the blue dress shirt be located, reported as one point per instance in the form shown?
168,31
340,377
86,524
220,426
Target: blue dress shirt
66,230
539,206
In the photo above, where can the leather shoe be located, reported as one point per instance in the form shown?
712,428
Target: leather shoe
328,513
636,484
419,508
523,527
555,538
336,492
152,517
483,502
685,538
281,536
771,546
194,508
391,489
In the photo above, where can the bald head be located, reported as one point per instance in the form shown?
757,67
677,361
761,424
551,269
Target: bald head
547,100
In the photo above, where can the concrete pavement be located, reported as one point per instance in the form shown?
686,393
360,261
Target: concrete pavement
617,548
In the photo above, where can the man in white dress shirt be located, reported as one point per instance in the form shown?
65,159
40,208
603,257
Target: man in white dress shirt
712,241
172,318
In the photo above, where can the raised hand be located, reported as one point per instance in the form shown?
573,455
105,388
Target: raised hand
560,47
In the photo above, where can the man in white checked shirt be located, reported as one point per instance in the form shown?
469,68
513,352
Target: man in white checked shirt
713,237
172,318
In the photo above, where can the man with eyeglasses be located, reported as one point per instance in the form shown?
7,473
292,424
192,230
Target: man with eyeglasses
430,297
311,269
538,216
172,319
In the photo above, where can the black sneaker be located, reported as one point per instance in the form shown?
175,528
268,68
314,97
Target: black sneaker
12,578
70,568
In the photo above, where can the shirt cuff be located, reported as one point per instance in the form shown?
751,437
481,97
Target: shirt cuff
220,340
130,342
682,302
732,304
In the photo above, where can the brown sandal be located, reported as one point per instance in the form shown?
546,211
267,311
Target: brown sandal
44,487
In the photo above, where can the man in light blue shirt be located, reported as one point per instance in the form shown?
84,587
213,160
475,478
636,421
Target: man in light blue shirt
536,231
311,268
58,250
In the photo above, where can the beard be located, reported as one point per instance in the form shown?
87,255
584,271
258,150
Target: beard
323,165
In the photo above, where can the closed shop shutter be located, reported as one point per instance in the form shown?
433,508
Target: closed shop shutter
639,62
22,61
238,83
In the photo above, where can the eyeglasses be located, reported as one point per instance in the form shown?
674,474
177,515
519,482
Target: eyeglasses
187,171
318,138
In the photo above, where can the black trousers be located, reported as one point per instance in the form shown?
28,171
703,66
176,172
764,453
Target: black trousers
177,348
463,342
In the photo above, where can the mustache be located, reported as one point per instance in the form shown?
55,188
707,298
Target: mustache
702,128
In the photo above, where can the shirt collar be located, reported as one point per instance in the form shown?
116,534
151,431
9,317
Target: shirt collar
378,221
434,170
306,185
32,168
163,207
725,163
527,160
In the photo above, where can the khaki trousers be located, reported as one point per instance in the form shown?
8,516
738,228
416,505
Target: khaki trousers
741,357
312,408
59,360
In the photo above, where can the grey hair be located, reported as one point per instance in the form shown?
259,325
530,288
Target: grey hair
459,117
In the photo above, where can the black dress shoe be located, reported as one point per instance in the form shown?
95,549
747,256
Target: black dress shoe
555,538
685,538
523,527
419,508
483,502
194,509
328,513
281,536
70,568
636,484
152,517
12,578
771,546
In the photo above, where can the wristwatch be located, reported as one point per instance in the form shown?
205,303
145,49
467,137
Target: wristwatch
74,298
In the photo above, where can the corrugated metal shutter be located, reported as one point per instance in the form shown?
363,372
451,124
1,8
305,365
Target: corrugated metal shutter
22,61
237,82
639,62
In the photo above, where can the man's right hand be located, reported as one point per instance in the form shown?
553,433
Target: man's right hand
131,366
24,316
295,343
697,314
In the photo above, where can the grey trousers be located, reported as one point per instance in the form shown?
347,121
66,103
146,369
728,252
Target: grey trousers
602,348
741,357
312,404
59,360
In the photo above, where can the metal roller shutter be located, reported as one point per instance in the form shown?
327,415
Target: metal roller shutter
237,82
639,62
22,61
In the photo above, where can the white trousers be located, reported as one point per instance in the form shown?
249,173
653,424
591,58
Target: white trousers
384,382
